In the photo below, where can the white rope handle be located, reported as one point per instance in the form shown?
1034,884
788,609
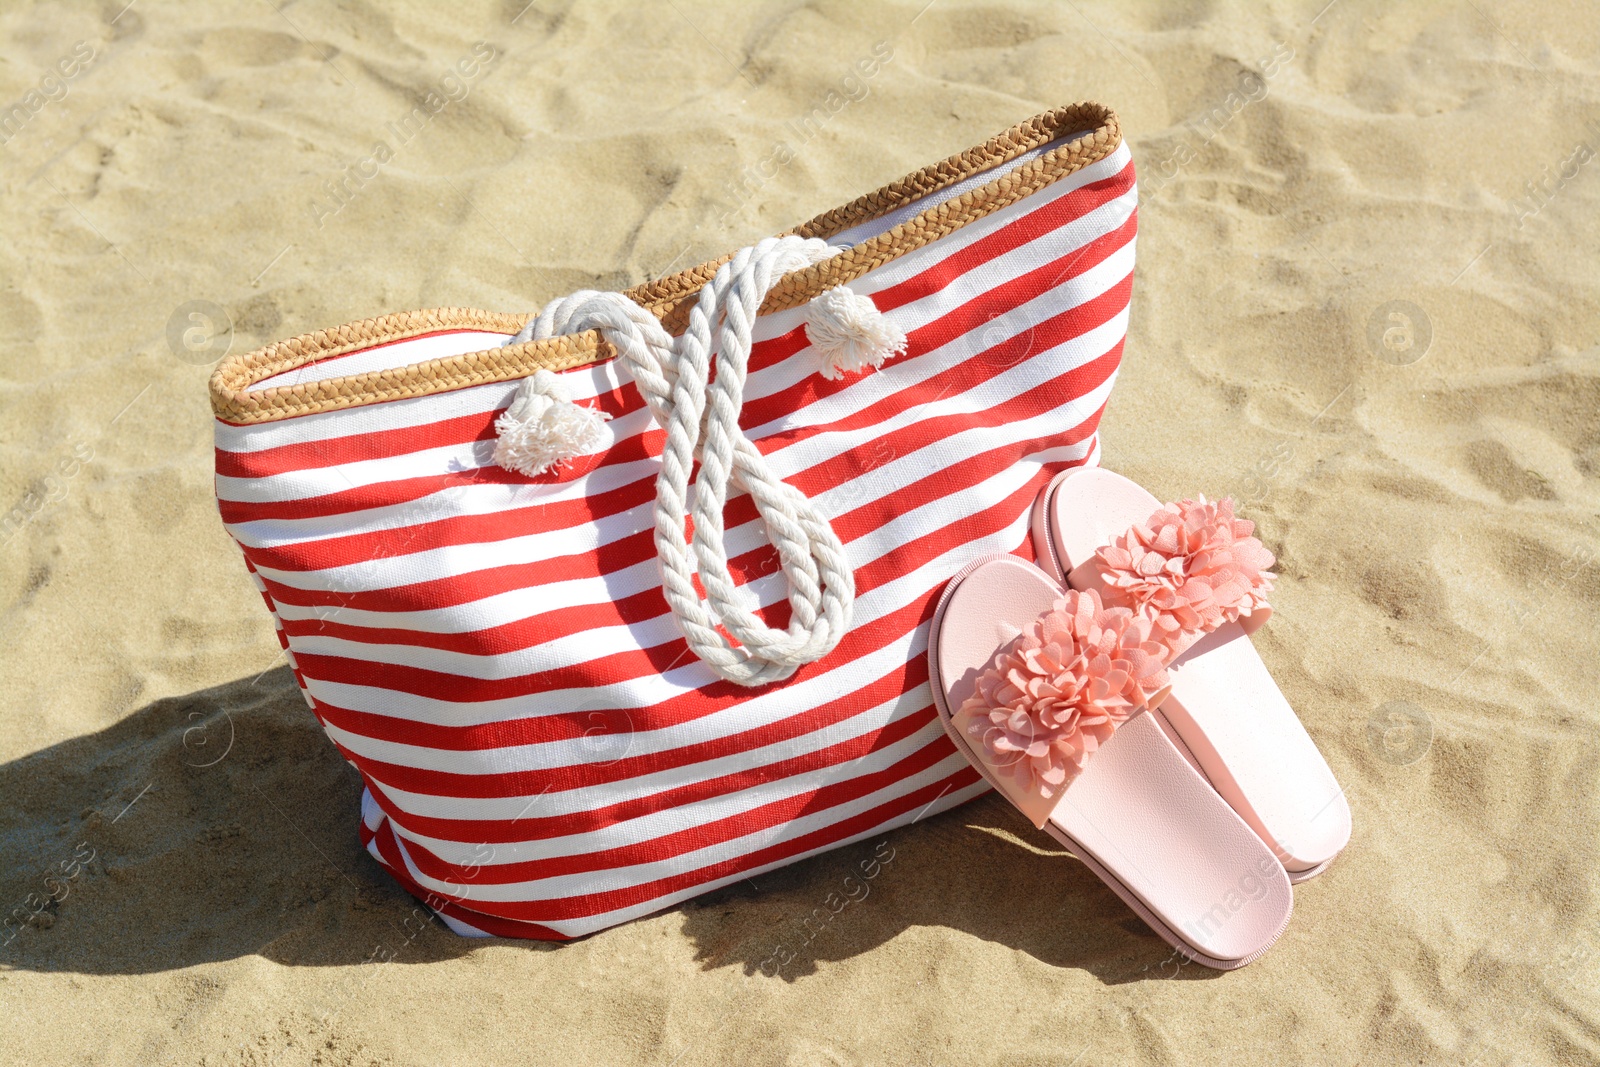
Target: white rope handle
701,417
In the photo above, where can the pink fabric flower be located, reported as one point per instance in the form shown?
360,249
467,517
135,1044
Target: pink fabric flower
1190,568
1054,695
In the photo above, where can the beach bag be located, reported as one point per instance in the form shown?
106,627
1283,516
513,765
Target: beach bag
620,603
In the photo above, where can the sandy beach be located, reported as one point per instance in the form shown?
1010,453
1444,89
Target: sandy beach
1366,306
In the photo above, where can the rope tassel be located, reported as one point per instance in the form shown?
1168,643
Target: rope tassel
543,428
850,333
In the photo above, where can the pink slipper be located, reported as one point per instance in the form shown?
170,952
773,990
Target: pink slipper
1044,690
1200,577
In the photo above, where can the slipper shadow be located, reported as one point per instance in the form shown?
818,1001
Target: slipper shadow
980,869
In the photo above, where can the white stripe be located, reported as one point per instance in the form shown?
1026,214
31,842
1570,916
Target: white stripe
735,720
691,816
585,645
913,263
589,381
889,472
625,702
587,882
650,690
813,451
720,726
590,923
1068,293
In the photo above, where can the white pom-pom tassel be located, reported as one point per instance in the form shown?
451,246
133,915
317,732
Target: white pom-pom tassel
543,427
850,333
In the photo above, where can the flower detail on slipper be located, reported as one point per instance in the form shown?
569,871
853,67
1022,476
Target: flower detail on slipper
1190,567
1059,689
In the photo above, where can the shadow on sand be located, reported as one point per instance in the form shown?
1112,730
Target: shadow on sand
223,824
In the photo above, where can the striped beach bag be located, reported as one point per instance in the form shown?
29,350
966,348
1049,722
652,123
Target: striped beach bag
629,600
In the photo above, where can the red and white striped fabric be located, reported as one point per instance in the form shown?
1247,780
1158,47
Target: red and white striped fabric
541,754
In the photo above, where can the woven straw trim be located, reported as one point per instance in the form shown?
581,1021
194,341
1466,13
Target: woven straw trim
669,298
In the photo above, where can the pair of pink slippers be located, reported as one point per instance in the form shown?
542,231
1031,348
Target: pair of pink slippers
1113,696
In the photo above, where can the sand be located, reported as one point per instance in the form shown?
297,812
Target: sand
1428,480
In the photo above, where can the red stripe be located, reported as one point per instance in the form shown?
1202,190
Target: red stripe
389,856
405,490
456,530
649,604
949,327
468,586
894,685
500,831
577,907
477,529
354,448
686,707
952,326
1031,227
636,663
654,849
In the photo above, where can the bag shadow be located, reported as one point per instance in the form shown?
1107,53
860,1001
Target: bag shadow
200,828
222,824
